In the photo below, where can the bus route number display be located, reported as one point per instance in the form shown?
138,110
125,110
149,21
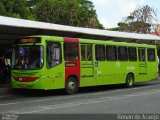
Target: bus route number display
28,40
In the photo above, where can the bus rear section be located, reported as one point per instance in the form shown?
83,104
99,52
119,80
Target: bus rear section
108,62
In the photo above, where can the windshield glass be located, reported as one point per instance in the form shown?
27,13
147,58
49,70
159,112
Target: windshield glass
27,57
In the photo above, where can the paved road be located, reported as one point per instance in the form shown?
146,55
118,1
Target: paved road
143,98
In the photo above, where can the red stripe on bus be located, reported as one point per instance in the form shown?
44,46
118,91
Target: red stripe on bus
72,68
71,40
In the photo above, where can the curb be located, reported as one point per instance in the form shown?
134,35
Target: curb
5,91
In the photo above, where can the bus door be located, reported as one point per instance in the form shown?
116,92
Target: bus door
54,66
72,59
142,61
87,65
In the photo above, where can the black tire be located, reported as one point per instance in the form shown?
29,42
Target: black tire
129,81
71,86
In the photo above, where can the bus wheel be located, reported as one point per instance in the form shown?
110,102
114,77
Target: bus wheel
71,86
129,81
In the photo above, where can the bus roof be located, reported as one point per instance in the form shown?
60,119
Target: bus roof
110,42
12,28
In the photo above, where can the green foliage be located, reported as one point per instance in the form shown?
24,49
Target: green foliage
139,21
67,12
15,8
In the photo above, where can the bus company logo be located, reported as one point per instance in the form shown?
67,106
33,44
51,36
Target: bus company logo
130,68
99,72
96,64
118,64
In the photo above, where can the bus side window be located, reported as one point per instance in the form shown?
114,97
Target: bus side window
111,53
151,55
53,54
100,52
82,52
122,54
142,54
132,54
89,52
70,51
86,52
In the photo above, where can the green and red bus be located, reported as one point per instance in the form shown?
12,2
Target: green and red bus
50,62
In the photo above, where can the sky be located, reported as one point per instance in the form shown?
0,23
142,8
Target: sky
110,12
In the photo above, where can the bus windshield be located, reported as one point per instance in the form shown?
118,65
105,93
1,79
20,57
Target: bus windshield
27,57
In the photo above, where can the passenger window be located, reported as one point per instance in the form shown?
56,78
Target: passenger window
132,54
53,54
142,54
86,52
89,53
111,53
70,51
100,52
82,52
151,55
122,54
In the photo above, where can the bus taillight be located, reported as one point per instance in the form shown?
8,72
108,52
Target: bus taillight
25,79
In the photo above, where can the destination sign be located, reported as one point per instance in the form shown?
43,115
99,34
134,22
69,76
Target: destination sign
28,40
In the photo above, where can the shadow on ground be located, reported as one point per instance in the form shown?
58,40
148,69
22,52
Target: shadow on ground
42,93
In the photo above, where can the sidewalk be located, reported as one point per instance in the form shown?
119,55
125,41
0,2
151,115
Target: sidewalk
5,91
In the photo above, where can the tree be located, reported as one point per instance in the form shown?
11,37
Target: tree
67,12
15,8
141,20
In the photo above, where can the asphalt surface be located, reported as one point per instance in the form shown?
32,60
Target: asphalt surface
144,98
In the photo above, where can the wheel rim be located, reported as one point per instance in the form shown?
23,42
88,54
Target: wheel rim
130,81
71,86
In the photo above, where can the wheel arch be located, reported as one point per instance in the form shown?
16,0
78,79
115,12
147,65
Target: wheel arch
131,73
127,81
72,84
